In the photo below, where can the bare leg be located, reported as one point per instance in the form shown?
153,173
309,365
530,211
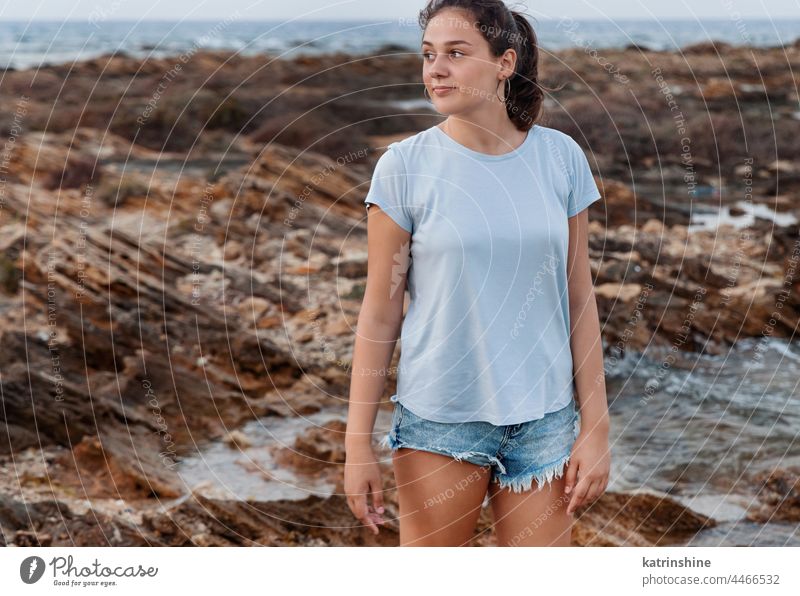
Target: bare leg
532,518
440,497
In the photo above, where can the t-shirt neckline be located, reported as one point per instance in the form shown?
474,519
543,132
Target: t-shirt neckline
487,156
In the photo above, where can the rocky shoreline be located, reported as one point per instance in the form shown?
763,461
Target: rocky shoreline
163,284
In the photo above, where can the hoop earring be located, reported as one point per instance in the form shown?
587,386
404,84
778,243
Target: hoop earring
426,94
507,89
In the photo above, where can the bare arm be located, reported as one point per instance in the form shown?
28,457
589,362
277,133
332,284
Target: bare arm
379,323
376,336
587,349
590,463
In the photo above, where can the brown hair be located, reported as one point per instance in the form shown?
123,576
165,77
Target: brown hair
504,28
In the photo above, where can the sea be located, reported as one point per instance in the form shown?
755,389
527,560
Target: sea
25,44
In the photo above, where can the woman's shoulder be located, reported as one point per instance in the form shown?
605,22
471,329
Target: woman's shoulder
414,142
553,135
411,153
561,145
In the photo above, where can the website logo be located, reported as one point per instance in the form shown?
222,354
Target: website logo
31,569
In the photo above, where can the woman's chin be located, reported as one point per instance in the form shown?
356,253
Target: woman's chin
444,108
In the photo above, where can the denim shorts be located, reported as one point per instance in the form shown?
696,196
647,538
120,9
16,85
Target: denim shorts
518,454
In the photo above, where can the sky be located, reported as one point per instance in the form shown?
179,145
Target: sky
384,9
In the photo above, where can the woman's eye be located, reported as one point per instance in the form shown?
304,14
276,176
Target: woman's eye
429,55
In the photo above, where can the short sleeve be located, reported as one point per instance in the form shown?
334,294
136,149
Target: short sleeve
388,188
583,189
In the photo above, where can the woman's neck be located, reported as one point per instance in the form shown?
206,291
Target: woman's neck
493,138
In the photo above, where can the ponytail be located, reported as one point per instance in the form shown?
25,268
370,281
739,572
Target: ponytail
504,28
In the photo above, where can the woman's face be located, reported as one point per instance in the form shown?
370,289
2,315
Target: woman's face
456,55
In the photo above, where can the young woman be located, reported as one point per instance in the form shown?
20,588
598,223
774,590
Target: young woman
483,218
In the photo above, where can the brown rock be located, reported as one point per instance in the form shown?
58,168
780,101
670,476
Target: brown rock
119,467
636,519
317,449
778,496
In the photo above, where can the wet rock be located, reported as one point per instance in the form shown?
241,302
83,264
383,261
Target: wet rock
115,466
237,439
778,496
53,523
313,521
636,519
23,538
317,449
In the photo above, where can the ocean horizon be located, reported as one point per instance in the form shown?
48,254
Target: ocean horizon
26,44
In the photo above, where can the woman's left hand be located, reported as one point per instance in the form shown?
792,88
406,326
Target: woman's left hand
589,464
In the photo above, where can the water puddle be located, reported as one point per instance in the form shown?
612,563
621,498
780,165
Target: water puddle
703,221
227,471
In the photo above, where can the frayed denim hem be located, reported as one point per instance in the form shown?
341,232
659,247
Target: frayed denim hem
545,475
391,442
385,442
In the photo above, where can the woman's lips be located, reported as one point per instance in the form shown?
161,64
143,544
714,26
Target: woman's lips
442,90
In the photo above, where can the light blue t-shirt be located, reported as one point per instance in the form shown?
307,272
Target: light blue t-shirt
486,334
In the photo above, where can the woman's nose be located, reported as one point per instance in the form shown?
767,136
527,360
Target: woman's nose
436,69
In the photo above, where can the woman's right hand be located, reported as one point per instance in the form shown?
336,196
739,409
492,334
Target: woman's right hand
362,477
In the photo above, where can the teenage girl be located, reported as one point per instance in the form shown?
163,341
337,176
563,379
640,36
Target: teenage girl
482,218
